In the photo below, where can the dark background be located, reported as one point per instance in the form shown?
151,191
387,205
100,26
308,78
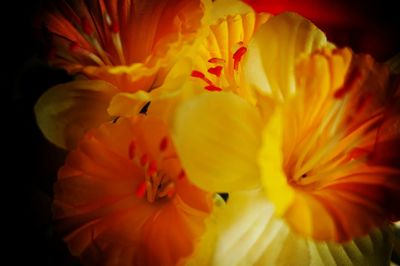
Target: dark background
31,162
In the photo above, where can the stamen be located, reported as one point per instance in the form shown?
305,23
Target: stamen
215,70
168,190
141,189
152,168
75,48
118,46
100,50
132,149
198,74
164,144
212,88
216,60
237,56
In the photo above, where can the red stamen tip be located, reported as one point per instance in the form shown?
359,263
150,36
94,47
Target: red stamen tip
144,159
114,27
152,168
132,149
237,56
212,88
197,74
141,190
216,60
86,26
215,70
164,143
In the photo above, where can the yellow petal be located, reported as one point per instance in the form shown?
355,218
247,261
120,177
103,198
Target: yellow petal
223,8
270,161
65,112
250,234
217,138
273,52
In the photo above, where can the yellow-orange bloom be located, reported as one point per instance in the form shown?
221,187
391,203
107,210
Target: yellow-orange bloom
122,197
214,65
324,152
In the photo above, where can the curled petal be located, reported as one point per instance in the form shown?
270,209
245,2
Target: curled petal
275,49
65,112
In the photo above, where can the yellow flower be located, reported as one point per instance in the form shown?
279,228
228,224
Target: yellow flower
214,65
323,154
122,197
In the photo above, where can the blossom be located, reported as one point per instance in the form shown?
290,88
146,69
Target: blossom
118,46
323,154
130,44
122,197
215,64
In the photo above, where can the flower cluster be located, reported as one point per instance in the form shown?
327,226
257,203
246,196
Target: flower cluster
177,101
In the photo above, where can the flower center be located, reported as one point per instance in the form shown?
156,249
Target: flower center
157,183
339,142
213,76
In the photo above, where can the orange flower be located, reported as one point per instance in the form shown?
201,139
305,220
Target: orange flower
122,197
122,46
129,43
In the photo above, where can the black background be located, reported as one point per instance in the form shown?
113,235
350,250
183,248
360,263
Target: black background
31,163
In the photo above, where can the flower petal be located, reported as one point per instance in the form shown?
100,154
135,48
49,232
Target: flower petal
131,44
270,161
250,234
273,52
65,112
217,137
